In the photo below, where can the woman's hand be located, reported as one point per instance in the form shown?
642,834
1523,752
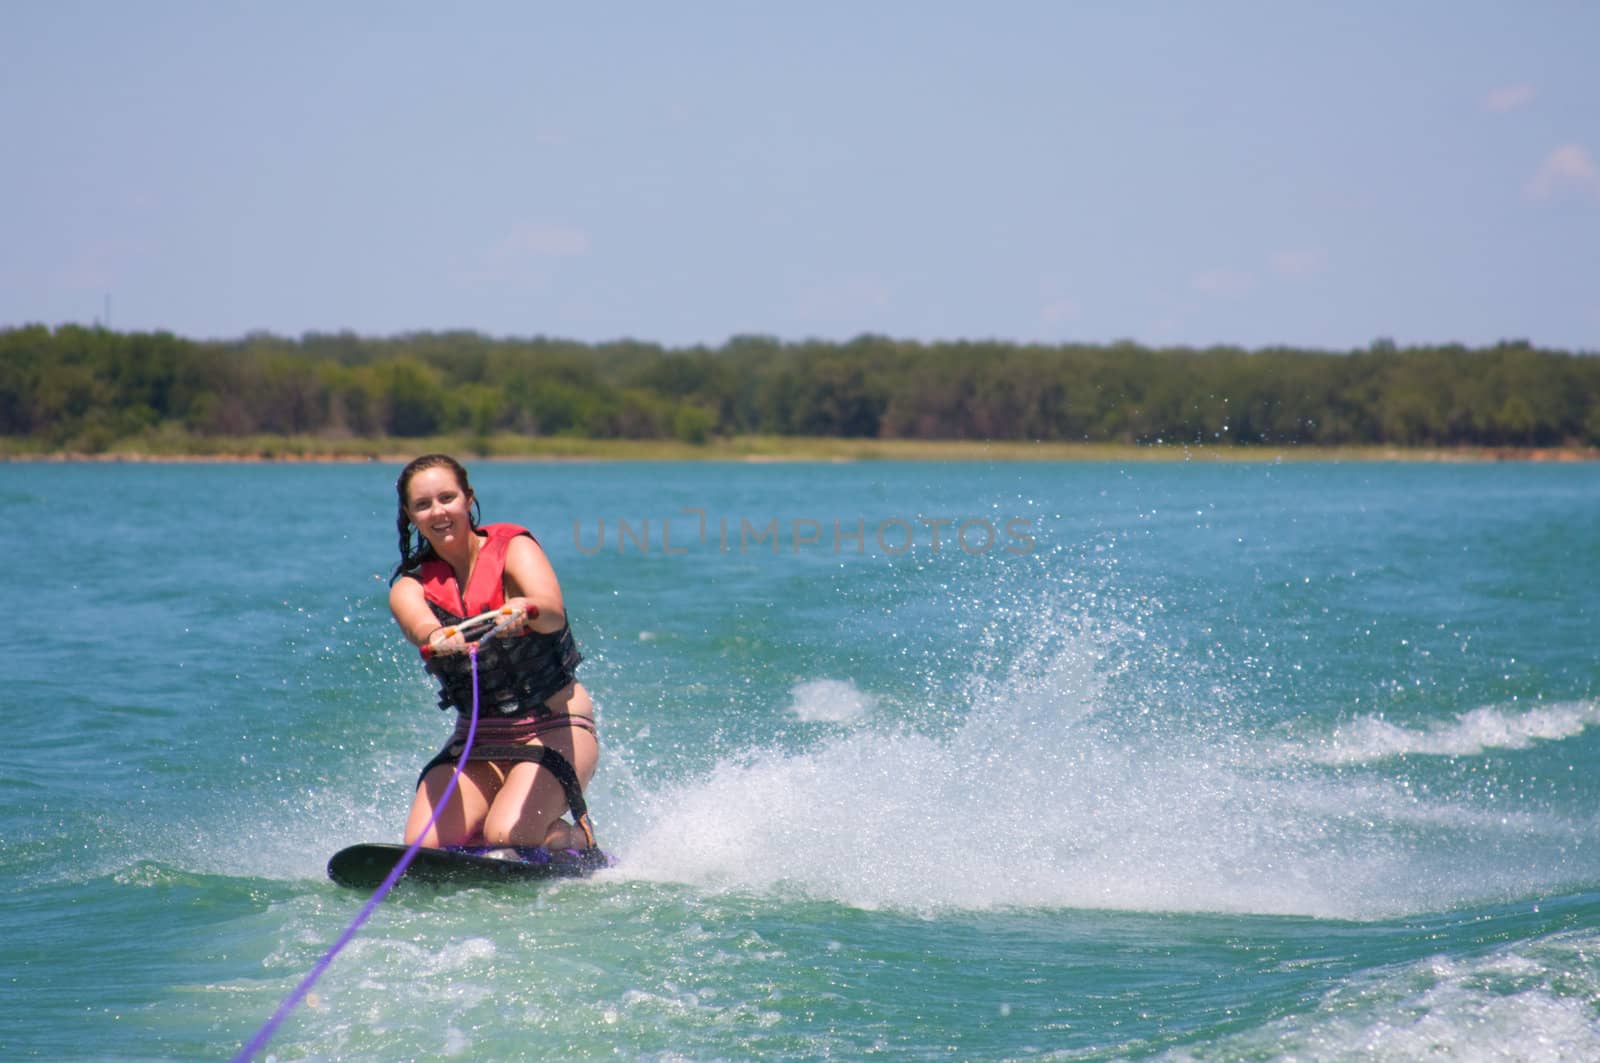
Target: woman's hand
445,640
523,610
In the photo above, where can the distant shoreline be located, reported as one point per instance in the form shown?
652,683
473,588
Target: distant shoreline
759,449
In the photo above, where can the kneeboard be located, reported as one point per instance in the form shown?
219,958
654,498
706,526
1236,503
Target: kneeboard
366,866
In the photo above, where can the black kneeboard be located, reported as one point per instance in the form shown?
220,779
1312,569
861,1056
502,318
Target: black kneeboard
366,866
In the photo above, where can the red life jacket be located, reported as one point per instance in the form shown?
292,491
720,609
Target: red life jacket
486,588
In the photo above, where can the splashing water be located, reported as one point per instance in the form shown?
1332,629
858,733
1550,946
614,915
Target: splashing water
1055,791
830,701
1371,738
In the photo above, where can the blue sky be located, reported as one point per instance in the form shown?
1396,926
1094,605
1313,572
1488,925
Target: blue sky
1243,173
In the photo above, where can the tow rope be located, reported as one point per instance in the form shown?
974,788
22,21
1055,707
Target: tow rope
263,1035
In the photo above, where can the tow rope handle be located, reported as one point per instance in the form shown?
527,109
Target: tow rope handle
490,623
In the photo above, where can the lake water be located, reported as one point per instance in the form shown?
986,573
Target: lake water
1181,761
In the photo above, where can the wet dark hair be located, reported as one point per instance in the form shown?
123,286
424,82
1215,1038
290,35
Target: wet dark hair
414,550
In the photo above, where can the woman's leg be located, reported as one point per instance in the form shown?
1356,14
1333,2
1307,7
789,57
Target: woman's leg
528,807
462,819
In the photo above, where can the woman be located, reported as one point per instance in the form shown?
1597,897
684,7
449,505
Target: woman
535,723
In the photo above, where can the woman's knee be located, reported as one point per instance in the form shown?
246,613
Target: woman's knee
517,829
496,831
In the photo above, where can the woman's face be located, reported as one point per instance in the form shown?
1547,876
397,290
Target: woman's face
439,507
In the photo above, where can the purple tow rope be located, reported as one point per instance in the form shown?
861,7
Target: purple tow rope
263,1035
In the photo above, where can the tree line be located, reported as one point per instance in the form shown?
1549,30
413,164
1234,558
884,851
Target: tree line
86,389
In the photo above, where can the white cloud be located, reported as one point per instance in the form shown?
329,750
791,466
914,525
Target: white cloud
1299,262
524,256
1059,311
1509,98
541,241
1224,283
1567,169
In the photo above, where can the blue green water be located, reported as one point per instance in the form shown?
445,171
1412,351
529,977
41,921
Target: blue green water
1239,762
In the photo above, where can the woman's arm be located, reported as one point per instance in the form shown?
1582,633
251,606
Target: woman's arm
529,577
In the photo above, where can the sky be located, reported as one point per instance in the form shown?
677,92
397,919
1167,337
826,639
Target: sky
1252,174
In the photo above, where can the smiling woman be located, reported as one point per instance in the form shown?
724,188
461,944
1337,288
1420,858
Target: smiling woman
537,722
